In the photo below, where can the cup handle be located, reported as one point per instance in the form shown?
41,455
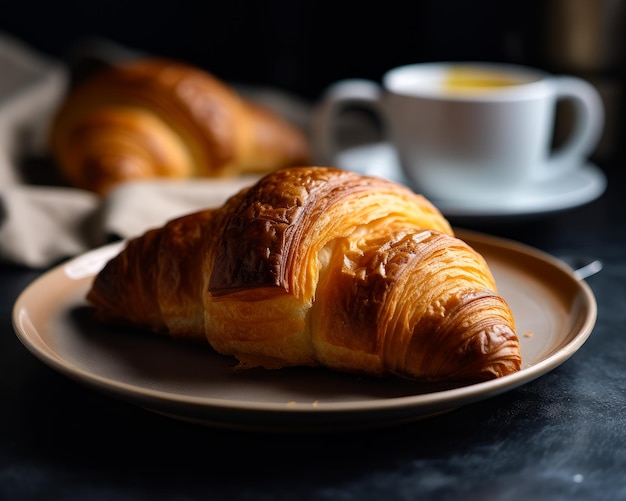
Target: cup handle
586,128
337,98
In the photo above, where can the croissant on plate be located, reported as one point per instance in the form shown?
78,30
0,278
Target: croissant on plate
158,118
317,266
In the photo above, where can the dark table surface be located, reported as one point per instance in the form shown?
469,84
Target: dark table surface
562,436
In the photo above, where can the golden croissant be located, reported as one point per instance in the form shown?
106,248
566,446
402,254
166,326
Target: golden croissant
316,266
157,118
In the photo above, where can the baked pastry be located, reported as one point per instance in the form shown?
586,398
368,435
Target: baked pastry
317,266
159,118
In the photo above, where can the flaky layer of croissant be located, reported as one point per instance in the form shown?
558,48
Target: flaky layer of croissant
318,266
158,118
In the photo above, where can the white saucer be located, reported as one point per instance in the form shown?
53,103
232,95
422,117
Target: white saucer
577,188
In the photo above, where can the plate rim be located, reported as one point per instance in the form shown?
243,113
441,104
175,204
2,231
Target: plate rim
162,401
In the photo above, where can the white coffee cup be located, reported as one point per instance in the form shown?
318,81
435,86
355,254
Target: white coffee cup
467,130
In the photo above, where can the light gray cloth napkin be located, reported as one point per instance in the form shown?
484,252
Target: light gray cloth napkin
41,224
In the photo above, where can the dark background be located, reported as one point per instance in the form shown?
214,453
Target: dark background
302,46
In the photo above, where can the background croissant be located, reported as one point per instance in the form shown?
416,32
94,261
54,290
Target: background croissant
157,118
318,266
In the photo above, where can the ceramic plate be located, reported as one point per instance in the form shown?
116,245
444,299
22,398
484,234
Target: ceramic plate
555,314
579,187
